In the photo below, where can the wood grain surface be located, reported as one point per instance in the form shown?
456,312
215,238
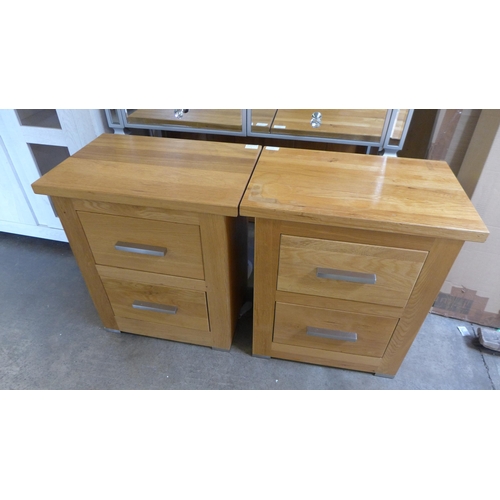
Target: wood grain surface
191,304
396,270
163,331
83,255
325,357
396,195
180,241
373,332
437,266
267,243
177,174
224,242
120,273
137,212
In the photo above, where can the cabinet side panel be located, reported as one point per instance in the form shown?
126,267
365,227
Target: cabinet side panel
83,256
436,268
224,247
267,245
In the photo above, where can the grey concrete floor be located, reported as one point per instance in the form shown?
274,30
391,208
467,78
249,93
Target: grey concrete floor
51,338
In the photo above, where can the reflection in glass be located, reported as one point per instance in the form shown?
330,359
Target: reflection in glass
366,125
262,120
216,119
400,127
400,123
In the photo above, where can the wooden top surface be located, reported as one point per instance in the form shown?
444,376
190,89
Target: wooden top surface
178,174
220,119
397,195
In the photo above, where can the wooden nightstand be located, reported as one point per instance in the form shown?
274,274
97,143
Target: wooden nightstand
153,224
350,253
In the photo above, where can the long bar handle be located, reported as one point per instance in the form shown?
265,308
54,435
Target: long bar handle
123,246
149,306
339,275
332,334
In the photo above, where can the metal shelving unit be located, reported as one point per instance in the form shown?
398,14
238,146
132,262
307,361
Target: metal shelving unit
384,141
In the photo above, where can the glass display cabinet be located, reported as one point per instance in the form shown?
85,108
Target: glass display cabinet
379,130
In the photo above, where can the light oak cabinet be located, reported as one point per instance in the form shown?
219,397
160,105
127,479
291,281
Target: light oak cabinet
154,226
350,250
350,253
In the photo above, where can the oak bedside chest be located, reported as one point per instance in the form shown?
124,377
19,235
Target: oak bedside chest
350,253
153,224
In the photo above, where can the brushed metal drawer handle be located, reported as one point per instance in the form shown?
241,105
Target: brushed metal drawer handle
332,334
339,275
149,306
142,249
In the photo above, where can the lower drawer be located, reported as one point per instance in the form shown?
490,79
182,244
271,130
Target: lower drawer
332,330
158,304
167,332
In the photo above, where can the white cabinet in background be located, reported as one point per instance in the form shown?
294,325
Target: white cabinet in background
33,141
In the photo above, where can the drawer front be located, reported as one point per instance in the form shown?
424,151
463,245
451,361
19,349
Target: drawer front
158,304
331,330
349,271
220,119
145,245
352,124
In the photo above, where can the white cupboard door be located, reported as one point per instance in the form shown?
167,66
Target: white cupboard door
14,207
31,156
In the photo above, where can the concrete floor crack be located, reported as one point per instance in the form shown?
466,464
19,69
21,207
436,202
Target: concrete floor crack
488,371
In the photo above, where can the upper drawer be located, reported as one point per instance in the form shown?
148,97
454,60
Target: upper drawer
350,271
145,245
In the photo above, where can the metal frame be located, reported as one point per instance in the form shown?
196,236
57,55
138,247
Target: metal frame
392,149
117,120
328,140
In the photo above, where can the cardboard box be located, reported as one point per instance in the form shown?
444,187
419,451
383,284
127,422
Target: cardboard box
471,291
